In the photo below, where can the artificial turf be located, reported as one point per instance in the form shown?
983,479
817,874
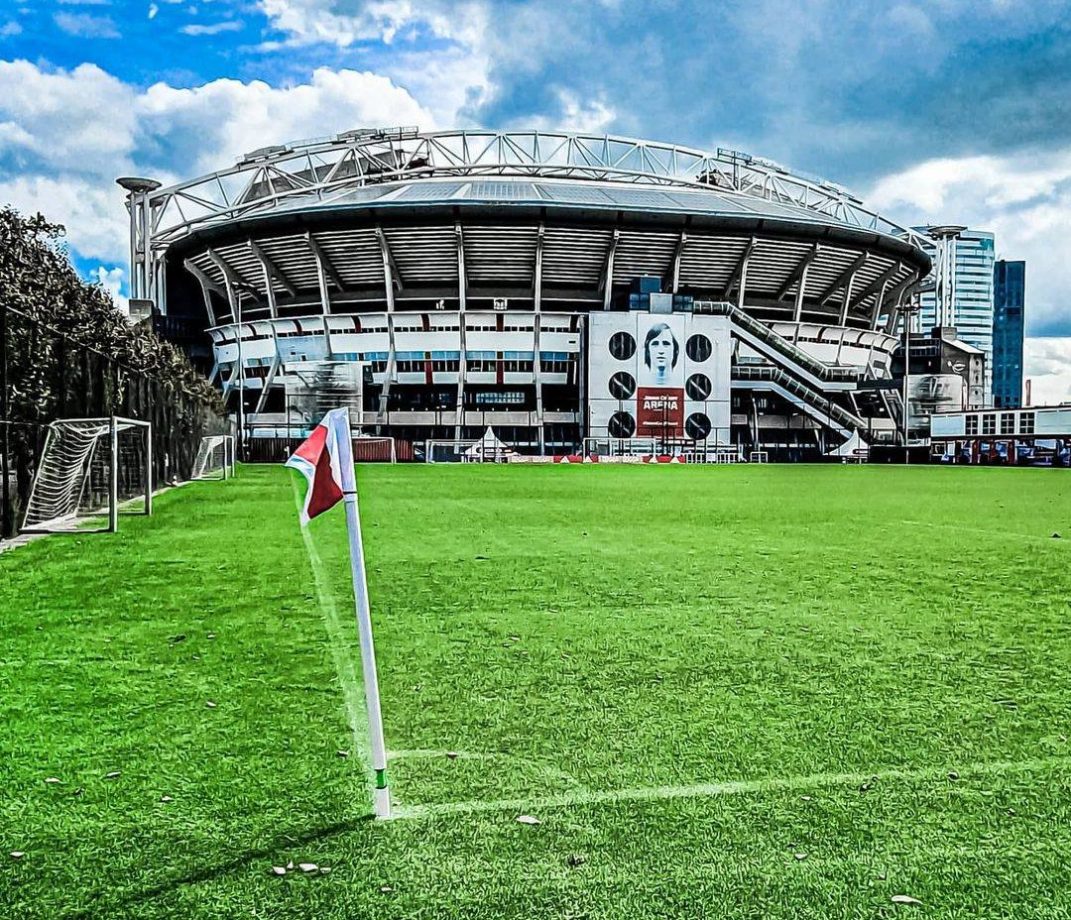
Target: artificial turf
570,634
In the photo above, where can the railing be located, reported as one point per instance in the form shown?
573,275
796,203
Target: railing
813,398
777,342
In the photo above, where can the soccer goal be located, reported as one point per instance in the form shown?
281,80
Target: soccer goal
447,451
373,449
90,466
215,457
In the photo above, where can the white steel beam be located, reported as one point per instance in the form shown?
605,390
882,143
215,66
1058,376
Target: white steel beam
739,269
608,276
537,303
673,282
462,363
324,263
271,270
842,279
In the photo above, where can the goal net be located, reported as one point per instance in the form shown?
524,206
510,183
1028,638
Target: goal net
88,467
372,449
215,457
447,451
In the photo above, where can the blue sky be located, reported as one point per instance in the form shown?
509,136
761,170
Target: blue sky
953,111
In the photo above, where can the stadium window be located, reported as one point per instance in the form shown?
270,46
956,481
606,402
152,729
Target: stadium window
1026,423
971,425
1007,423
989,424
554,367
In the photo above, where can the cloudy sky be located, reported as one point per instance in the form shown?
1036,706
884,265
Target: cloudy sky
955,111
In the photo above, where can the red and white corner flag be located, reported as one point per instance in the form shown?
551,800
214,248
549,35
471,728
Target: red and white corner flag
317,459
325,459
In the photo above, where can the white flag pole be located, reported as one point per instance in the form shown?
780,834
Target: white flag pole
364,617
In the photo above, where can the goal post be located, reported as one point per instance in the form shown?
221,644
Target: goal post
369,448
446,451
215,457
90,466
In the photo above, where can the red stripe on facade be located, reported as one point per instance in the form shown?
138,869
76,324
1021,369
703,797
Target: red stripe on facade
427,368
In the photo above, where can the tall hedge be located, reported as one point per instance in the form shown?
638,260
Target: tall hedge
71,353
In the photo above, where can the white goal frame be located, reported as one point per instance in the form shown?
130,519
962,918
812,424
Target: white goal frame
112,425
458,447
228,442
367,438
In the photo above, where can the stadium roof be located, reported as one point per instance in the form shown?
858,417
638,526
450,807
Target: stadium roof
391,166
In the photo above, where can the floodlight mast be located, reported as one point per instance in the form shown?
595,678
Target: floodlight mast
138,206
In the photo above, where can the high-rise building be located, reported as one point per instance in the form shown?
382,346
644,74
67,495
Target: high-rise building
1009,288
971,294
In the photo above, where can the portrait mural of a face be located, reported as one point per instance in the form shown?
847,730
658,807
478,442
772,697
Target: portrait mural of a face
662,375
661,357
660,396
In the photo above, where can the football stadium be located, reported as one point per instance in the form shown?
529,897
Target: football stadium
596,691
572,292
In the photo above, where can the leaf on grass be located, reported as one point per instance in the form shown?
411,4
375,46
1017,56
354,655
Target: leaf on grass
113,775
800,856
210,704
17,854
451,755
278,870
51,779
385,889
343,753
166,798
904,899
528,819
308,867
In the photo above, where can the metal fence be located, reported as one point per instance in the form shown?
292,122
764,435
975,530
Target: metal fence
47,375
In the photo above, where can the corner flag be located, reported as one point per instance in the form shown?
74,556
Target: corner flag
325,459
317,460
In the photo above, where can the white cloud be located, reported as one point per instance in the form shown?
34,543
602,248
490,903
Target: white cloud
55,121
207,127
10,29
153,10
228,25
66,135
1024,199
307,22
91,209
85,25
113,280
590,115
1047,364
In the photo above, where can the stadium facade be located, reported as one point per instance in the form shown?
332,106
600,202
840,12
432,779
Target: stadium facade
555,286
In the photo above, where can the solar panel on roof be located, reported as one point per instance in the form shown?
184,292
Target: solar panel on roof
429,191
512,191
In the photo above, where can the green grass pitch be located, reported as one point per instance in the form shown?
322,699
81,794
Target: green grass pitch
759,692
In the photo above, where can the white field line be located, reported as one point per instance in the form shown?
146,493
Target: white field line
352,692
537,804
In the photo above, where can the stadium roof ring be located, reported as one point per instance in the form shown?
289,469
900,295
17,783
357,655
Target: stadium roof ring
613,207
300,249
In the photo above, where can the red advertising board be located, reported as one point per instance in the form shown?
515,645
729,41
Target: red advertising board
659,412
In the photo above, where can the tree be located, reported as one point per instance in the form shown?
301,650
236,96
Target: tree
70,352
